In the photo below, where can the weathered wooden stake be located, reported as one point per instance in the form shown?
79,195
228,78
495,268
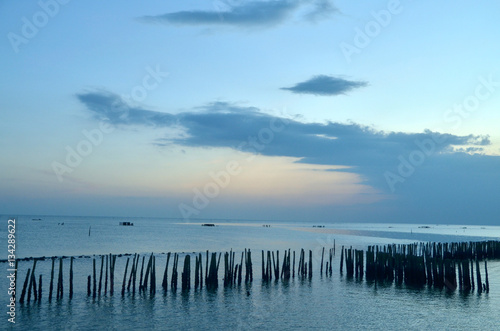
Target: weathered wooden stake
100,276
106,277
51,287
71,278
23,293
164,283
94,288
322,256
125,276
31,280
60,280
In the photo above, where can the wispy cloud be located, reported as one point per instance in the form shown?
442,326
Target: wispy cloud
247,13
322,9
325,85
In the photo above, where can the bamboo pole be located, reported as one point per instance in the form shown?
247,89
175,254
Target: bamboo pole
322,256
70,278
106,277
140,278
94,280
100,276
186,273
164,283
125,276
51,287
31,280
23,293
60,280
201,270
40,288
152,289
132,270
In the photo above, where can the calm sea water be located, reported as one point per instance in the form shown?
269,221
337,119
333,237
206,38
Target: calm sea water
320,303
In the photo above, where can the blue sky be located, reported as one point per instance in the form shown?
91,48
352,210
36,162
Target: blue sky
382,111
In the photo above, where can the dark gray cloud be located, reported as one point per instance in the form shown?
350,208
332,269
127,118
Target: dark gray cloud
325,85
247,13
111,107
427,166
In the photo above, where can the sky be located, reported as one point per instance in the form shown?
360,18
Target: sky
307,110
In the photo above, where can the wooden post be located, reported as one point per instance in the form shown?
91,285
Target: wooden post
164,283
112,261
196,273
341,259
125,277
60,279
100,276
51,287
136,267
31,280
23,293
132,270
148,270
472,273
206,268
40,288
226,269
152,289
186,273
310,263
106,277
322,256
263,270
277,270
201,270
94,280
173,282
478,276
71,277
486,275
140,278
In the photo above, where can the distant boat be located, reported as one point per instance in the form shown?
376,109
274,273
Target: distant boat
126,223
36,219
208,224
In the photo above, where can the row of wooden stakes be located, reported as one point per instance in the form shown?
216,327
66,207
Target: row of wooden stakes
432,264
418,264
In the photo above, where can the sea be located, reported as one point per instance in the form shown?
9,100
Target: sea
321,302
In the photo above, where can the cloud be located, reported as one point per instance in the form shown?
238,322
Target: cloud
362,149
322,9
247,13
443,180
325,85
112,108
